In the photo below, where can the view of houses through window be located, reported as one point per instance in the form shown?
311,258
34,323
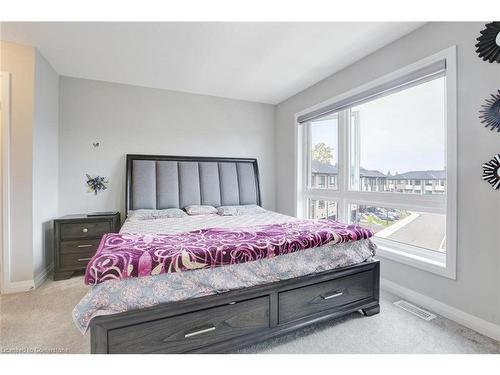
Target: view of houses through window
325,176
396,145
323,209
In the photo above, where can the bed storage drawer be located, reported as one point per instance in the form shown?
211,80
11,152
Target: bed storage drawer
189,331
302,302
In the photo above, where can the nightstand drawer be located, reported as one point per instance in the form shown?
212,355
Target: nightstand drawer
85,230
76,260
79,246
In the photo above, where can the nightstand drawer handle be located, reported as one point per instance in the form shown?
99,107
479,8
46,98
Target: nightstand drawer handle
85,230
83,259
85,245
336,293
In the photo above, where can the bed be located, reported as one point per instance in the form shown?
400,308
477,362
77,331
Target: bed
220,308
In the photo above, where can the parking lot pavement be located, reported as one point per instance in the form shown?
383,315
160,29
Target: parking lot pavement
427,230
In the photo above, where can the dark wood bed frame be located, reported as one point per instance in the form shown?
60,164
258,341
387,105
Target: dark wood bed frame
228,321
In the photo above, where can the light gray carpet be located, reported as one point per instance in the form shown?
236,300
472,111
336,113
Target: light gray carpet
41,320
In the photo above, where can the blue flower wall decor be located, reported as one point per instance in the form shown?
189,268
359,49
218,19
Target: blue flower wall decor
490,113
96,183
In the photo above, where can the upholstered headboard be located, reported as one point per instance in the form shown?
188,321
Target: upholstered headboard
159,182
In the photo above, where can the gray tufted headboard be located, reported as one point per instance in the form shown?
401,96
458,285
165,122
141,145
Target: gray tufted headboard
159,182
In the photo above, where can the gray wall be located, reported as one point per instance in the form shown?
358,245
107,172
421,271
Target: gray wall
45,162
19,61
130,119
476,289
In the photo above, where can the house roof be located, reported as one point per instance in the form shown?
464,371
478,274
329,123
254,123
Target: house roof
370,173
323,168
318,167
421,175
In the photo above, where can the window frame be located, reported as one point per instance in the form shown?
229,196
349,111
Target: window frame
441,264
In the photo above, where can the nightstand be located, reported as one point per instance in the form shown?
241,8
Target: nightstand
76,238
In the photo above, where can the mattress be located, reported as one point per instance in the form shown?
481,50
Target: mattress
117,296
189,223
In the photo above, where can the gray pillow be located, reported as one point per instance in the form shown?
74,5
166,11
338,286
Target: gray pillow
248,209
197,209
144,214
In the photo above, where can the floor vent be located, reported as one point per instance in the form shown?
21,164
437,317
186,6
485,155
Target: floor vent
415,310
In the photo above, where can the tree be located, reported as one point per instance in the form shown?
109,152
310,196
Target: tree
322,153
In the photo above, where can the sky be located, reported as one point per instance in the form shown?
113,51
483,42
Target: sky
401,132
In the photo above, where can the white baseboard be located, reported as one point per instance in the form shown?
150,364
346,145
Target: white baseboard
18,286
470,321
40,278
27,285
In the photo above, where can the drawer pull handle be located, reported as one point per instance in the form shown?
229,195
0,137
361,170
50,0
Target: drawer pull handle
83,259
334,294
232,303
85,245
85,230
199,331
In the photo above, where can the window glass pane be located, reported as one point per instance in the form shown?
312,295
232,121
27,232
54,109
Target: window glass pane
324,153
322,209
422,229
397,142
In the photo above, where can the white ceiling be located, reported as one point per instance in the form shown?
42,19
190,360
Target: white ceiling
262,62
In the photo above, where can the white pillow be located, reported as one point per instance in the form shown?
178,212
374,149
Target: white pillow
249,209
144,214
196,209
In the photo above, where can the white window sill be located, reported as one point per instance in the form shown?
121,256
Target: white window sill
430,261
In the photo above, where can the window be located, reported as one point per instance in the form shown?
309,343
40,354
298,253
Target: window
322,183
389,151
323,152
322,209
385,138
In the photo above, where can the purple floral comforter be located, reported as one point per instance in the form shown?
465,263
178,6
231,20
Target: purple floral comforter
124,255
